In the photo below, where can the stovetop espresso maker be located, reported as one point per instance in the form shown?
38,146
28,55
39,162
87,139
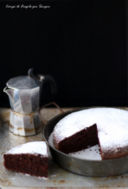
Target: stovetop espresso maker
24,95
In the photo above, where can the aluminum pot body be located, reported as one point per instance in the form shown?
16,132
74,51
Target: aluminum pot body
24,101
96,168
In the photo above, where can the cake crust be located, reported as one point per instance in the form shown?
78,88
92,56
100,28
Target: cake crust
34,165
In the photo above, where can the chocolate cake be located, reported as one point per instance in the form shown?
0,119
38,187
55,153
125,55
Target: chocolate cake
29,158
107,127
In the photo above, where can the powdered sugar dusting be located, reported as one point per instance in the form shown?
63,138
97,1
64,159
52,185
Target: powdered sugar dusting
91,153
36,147
112,126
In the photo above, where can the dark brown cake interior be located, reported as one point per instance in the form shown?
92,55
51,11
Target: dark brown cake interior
32,164
78,141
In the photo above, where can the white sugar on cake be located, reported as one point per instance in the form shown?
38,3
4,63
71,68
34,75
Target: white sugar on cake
35,147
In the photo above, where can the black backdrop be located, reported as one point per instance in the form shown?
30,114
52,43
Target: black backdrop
80,43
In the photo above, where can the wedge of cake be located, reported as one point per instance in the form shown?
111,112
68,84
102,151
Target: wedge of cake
29,158
107,127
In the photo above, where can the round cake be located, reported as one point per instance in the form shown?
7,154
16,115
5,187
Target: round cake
107,127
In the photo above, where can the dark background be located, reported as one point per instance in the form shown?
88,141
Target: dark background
82,44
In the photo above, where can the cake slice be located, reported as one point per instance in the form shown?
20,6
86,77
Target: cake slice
29,158
78,141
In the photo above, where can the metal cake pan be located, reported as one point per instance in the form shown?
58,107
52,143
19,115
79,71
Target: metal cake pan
97,168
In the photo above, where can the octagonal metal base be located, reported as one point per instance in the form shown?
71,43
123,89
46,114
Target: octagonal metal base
25,124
